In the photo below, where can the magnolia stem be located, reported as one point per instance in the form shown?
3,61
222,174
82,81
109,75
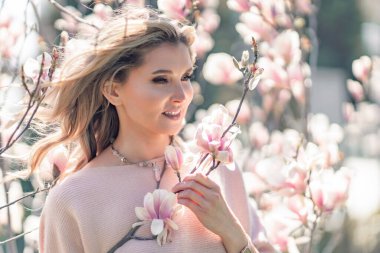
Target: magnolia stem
129,236
199,164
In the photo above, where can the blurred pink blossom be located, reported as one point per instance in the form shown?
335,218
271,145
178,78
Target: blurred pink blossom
300,206
209,20
253,25
59,157
176,9
259,134
160,209
219,69
286,48
10,32
355,89
239,5
67,22
32,68
304,6
361,68
203,43
245,111
329,189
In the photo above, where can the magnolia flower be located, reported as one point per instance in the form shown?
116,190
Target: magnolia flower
210,140
59,158
32,68
356,90
174,158
219,69
209,136
209,20
239,5
159,210
329,189
361,68
173,8
252,25
203,43
286,48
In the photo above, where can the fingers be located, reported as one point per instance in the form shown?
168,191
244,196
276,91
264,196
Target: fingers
198,185
203,180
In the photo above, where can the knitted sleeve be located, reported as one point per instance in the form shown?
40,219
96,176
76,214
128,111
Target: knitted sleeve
59,231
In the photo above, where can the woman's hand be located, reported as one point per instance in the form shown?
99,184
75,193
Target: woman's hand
202,196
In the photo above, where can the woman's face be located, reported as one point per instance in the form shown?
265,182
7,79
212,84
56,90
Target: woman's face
156,95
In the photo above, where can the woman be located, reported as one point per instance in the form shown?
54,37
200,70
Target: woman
118,106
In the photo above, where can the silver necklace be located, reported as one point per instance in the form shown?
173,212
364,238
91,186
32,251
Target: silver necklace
147,164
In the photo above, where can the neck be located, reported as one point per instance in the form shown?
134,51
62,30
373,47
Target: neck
140,148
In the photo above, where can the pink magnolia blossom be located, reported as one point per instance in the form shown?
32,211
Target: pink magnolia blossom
239,5
32,68
356,90
219,69
361,68
329,189
209,136
209,20
11,30
253,25
304,6
286,48
174,157
59,157
67,22
274,76
259,134
274,12
245,111
279,229
203,43
160,209
301,208
176,9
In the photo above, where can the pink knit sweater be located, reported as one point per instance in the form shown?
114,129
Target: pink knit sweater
91,210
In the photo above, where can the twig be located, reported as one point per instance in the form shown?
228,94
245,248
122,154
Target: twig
18,236
29,195
81,20
126,238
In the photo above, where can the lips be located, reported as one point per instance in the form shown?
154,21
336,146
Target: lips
174,115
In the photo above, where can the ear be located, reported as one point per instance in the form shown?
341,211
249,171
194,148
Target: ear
110,91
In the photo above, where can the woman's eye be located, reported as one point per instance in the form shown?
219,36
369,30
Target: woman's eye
187,77
161,80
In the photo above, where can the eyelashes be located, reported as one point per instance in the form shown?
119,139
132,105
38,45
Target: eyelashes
164,80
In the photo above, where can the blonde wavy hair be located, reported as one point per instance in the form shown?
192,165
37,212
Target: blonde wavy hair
85,121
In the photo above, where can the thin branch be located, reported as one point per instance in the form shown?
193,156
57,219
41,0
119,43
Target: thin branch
18,236
28,195
79,19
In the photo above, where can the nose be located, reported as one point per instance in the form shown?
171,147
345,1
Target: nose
179,93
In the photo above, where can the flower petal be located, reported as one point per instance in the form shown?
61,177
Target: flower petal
157,226
171,224
142,213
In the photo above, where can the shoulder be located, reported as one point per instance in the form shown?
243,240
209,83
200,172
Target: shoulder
74,188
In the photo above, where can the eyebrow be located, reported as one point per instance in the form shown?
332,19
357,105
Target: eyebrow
166,71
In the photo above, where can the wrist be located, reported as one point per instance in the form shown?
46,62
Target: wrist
235,240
